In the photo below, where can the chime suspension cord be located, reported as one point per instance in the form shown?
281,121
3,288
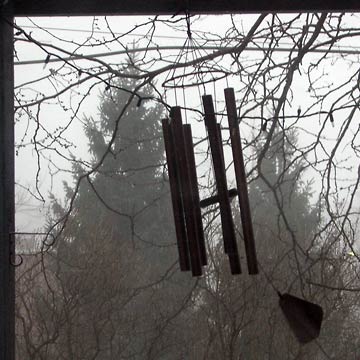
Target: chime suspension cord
177,81
193,76
215,100
188,40
192,53
171,75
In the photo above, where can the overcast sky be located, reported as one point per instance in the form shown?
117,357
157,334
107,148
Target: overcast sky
31,212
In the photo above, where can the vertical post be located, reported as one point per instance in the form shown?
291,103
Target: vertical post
7,207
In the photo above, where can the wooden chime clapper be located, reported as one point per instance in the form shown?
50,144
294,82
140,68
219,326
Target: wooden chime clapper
185,194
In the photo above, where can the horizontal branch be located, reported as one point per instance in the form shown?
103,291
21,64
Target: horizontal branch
334,288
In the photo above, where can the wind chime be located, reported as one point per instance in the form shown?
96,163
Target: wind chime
183,177
185,194
303,317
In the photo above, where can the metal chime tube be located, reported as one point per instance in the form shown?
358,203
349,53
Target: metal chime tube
175,189
220,177
186,191
241,182
189,146
224,220
232,253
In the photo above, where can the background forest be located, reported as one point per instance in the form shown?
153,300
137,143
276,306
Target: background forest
106,284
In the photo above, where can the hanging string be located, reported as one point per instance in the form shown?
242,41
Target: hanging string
198,74
171,74
188,42
165,96
192,43
239,71
215,100
227,82
176,99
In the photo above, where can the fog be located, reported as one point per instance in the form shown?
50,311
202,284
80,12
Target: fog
101,275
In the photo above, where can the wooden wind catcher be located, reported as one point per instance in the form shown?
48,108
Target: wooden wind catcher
185,193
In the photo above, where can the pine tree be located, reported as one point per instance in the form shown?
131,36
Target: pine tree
120,291
246,321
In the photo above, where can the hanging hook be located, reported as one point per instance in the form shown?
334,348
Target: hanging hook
12,255
14,263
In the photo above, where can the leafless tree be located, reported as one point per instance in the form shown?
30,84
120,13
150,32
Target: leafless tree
297,85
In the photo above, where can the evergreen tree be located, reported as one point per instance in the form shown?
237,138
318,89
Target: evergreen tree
245,320
116,289
117,259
